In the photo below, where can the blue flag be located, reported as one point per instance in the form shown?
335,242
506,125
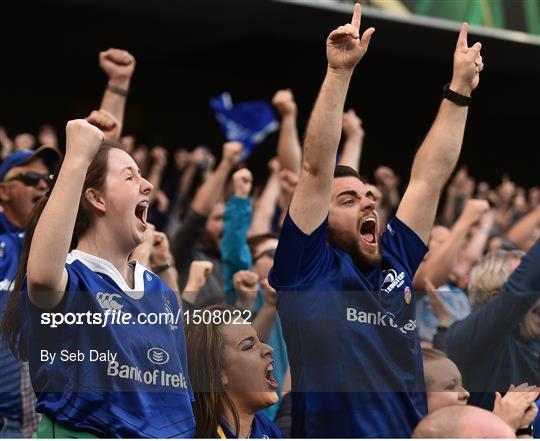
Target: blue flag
248,123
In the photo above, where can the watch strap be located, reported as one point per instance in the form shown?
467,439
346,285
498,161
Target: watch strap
460,100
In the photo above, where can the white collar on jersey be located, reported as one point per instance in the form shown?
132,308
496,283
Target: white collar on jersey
99,265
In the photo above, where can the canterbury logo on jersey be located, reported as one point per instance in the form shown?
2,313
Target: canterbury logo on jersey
6,285
107,300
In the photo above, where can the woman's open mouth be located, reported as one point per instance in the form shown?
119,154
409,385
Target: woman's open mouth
270,380
141,211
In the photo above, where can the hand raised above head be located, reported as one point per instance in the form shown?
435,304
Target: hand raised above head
117,63
242,180
345,47
106,122
468,64
83,139
283,101
232,152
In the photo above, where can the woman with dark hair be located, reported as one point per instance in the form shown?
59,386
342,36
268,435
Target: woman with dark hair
231,375
79,305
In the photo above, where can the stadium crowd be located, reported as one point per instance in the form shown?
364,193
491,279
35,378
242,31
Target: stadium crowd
374,308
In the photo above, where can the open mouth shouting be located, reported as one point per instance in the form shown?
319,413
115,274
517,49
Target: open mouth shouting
141,212
270,380
368,231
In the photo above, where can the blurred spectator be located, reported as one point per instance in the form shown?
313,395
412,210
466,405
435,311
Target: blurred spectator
462,422
200,233
501,335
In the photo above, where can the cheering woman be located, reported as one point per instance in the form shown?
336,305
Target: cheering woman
231,377
80,310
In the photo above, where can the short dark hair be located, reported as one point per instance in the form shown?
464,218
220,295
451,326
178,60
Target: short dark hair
342,171
255,241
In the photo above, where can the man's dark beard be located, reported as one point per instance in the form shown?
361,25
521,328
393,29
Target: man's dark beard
349,243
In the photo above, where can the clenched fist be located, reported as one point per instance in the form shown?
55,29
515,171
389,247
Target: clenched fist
106,122
352,124
242,180
118,64
232,152
474,210
283,101
245,284
83,140
198,274
159,156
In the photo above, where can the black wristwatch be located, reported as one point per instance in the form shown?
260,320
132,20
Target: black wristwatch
456,98
525,431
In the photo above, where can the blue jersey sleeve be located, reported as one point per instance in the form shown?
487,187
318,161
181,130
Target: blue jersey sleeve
299,257
401,244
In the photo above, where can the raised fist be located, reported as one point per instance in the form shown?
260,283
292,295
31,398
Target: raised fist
385,177
273,165
159,156
345,47
106,122
352,125
242,180
198,274
83,139
462,185
117,63
283,101
245,282
232,152
162,201
474,210
468,64
47,135
161,250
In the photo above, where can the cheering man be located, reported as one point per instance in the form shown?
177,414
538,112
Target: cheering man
344,289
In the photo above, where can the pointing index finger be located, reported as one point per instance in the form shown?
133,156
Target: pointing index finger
357,15
462,39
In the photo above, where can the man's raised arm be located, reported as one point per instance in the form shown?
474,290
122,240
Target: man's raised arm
440,150
311,199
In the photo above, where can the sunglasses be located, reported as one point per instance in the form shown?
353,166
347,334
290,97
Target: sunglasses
31,179
268,253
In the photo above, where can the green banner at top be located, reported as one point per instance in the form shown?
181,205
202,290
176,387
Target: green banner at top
517,15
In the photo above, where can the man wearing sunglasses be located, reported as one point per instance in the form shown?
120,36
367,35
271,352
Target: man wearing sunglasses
25,176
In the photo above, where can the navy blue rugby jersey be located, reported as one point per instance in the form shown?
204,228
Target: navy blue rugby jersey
10,367
261,428
351,336
119,380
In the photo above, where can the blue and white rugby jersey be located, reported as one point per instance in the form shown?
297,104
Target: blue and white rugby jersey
118,380
10,367
352,338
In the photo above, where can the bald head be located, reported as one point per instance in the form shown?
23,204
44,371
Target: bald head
462,422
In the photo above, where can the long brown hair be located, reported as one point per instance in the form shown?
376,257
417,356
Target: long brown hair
95,178
205,348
